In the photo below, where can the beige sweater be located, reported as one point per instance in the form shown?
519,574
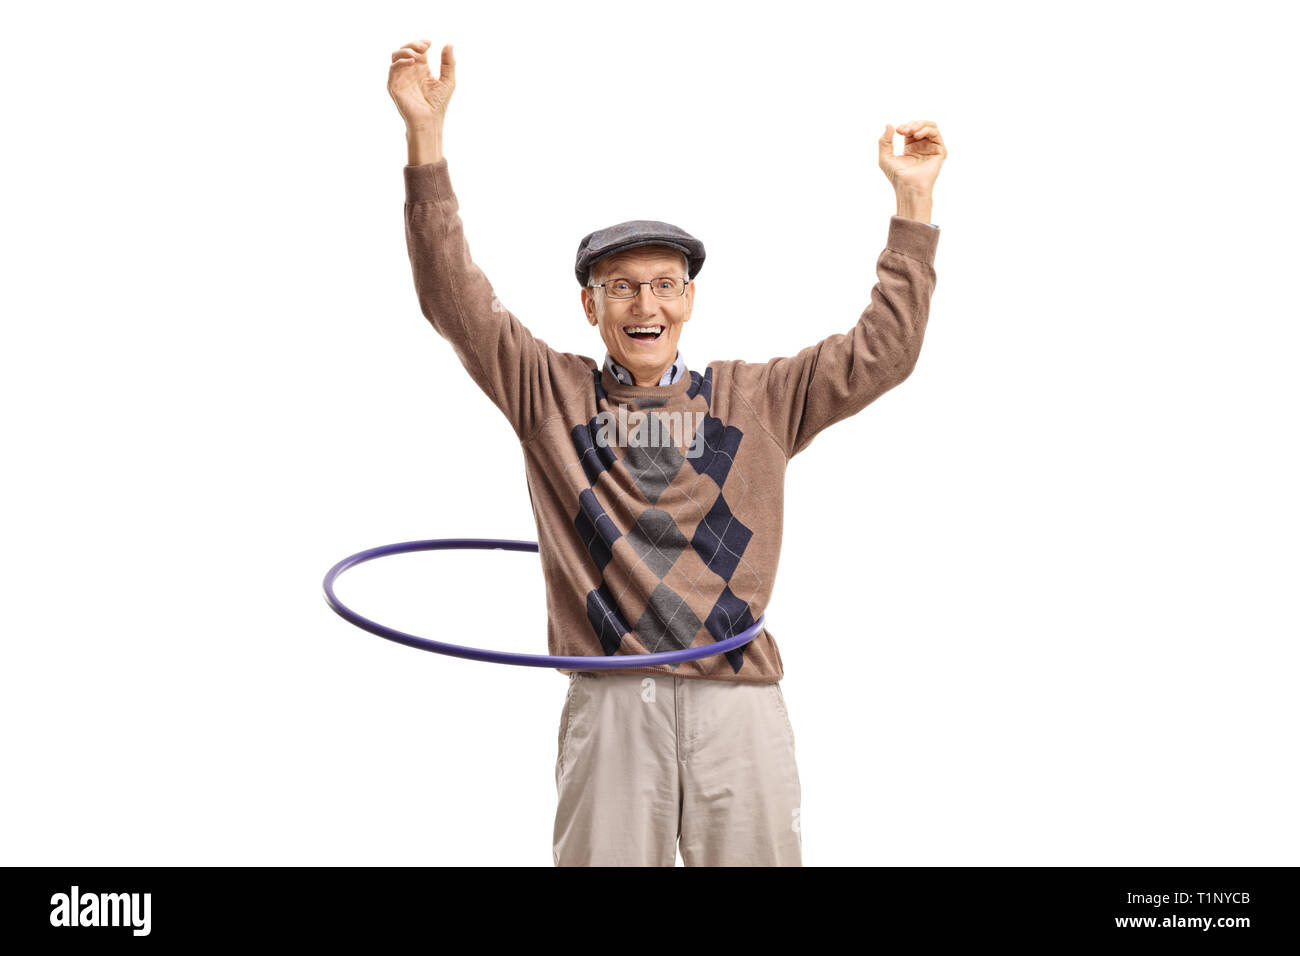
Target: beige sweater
663,533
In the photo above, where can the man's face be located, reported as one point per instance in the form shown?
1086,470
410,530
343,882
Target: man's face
645,358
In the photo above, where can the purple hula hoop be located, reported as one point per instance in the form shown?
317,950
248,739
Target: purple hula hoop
579,662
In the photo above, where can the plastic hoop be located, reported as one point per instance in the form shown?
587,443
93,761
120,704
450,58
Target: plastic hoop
576,662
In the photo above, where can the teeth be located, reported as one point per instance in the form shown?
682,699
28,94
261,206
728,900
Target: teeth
643,328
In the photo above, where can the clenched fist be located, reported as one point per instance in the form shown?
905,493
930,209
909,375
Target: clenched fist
923,153
421,97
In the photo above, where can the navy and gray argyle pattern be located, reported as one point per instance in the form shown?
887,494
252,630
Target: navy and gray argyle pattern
693,554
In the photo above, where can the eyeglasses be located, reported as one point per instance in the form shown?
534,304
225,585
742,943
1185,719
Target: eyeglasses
665,287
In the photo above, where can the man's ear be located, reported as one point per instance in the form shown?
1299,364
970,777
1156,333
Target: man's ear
588,305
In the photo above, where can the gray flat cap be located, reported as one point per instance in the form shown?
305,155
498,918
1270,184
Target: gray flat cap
629,235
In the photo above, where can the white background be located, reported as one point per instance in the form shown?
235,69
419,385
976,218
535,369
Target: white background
1036,605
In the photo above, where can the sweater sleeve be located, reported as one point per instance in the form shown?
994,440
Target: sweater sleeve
797,397
505,360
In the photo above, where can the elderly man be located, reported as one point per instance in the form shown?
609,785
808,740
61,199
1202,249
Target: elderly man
657,490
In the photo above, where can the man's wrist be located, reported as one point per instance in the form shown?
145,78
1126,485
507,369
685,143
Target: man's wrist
915,204
423,145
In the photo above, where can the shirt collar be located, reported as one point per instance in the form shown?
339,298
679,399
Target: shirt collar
624,377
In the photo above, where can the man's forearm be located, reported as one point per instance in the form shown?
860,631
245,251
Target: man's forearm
424,145
914,205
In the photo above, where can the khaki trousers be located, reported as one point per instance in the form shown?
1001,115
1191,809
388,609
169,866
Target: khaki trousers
645,761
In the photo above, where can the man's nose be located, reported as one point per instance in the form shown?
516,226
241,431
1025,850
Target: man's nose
642,303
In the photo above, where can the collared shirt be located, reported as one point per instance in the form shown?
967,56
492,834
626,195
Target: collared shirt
624,377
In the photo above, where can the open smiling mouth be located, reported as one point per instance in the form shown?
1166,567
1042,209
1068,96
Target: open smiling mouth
643,333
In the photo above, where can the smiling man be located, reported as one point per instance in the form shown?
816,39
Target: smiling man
640,319
658,494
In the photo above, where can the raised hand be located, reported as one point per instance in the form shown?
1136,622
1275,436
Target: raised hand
923,154
421,97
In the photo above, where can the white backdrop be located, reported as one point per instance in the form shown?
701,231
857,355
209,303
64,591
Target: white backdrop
1061,624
